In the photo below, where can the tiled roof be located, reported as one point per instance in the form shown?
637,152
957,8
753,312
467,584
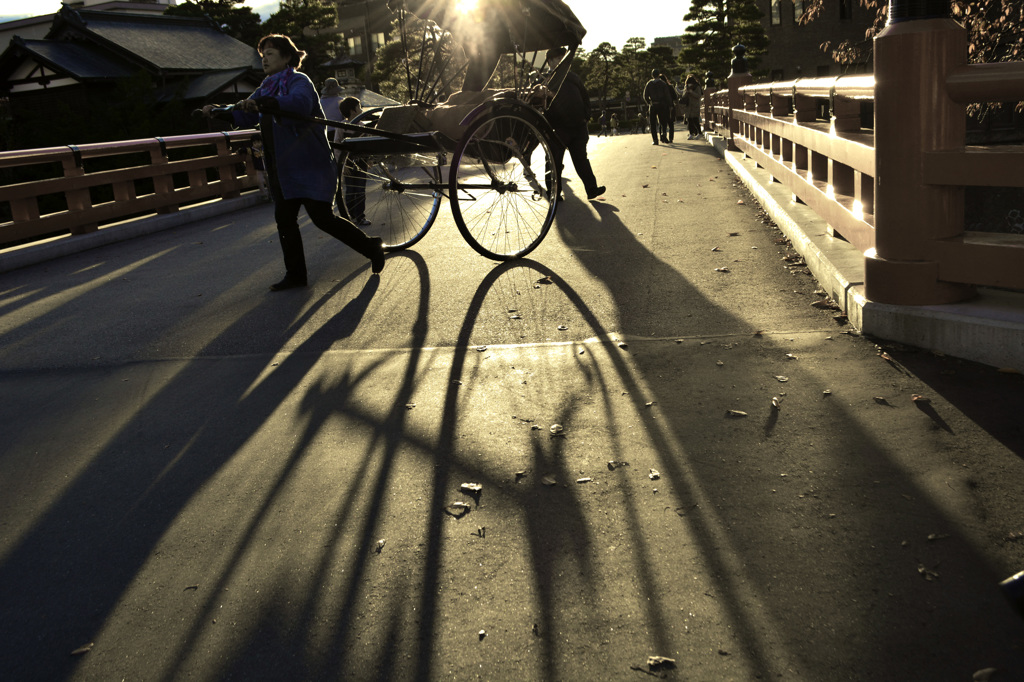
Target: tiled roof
202,87
166,43
79,60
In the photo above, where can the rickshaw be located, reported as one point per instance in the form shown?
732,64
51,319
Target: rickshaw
487,150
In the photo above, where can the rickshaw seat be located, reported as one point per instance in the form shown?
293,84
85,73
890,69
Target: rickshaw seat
403,119
446,116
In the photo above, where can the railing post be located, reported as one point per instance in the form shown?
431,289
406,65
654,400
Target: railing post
913,115
737,79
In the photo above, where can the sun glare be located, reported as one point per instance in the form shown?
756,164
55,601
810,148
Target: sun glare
466,6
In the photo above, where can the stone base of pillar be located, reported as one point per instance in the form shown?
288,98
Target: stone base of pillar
910,283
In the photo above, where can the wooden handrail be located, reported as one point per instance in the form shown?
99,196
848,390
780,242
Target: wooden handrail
175,182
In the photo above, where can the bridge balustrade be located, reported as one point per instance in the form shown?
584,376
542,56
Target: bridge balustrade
77,189
891,183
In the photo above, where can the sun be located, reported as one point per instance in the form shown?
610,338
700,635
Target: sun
466,6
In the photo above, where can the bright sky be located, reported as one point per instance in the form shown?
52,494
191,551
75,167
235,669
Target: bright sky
614,23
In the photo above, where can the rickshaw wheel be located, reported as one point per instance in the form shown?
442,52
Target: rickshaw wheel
401,195
503,184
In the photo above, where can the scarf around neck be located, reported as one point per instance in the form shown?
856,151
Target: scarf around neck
276,84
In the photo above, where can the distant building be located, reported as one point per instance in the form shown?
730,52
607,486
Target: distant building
794,50
673,42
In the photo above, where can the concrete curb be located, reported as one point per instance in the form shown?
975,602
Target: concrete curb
39,252
988,329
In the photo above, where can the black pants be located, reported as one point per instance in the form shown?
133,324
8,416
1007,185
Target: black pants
694,124
286,213
659,119
576,142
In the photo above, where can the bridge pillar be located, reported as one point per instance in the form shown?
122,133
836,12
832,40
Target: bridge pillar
737,79
914,114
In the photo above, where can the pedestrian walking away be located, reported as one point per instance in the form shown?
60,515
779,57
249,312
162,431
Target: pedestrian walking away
671,134
658,96
615,124
568,114
692,102
299,161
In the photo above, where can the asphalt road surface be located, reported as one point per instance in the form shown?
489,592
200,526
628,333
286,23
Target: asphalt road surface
204,480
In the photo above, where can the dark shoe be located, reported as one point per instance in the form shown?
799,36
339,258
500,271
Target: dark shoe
665,140
655,142
595,193
377,259
288,282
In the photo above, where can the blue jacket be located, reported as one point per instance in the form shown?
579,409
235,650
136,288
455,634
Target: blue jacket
300,163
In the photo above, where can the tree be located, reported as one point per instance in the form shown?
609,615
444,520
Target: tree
311,24
603,70
715,27
240,23
995,33
636,65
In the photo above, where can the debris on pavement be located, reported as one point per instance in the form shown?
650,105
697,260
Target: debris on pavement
735,414
776,403
613,465
457,509
660,662
549,480
380,545
84,649
520,475
654,475
927,573
881,400
585,479
781,379
481,635
471,488
556,429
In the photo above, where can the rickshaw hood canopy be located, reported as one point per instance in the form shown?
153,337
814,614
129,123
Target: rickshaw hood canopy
530,24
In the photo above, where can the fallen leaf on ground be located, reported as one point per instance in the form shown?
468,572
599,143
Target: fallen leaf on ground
655,662
549,480
654,475
84,649
735,413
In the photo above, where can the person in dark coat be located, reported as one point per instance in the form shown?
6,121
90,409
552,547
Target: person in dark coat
300,164
568,114
659,95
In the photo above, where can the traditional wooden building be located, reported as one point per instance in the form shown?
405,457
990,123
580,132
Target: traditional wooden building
92,60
